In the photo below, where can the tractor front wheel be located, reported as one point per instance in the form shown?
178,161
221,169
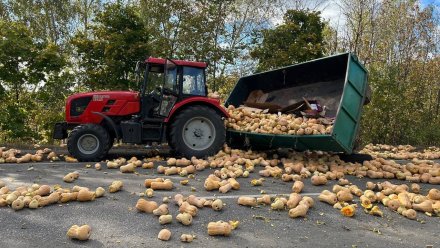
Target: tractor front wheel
197,131
89,142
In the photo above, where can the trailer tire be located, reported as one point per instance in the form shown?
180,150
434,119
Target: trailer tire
197,131
89,142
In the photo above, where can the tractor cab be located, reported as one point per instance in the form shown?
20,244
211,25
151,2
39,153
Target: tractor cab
167,82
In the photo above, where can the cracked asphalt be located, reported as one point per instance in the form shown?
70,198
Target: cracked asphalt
116,223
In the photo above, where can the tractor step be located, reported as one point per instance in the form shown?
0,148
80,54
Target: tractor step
153,120
151,133
151,125
138,133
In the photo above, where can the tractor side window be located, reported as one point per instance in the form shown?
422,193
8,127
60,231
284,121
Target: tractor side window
155,77
171,78
193,81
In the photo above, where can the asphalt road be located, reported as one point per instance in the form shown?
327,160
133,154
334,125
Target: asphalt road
116,223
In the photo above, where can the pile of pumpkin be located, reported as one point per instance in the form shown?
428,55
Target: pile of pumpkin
188,209
233,163
401,152
182,166
297,204
129,166
397,198
320,167
255,121
37,196
391,148
14,156
174,166
230,164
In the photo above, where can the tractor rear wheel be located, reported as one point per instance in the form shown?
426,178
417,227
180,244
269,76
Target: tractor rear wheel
197,131
89,142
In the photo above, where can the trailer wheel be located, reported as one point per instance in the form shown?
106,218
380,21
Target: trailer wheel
197,131
89,142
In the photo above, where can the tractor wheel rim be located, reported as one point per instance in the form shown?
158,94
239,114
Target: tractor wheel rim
198,133
88,144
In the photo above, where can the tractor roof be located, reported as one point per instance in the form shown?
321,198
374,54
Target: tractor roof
161,61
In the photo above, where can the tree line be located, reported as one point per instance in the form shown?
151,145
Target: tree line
52,49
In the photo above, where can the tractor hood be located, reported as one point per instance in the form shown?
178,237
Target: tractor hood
106,95
91,107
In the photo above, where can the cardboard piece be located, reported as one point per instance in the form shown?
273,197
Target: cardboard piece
257,96
272,108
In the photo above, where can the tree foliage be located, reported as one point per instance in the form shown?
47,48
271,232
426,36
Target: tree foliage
108,53
30,71
298,39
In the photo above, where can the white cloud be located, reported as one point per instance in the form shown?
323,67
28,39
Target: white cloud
332,13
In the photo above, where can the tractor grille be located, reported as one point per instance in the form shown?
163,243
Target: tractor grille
79,105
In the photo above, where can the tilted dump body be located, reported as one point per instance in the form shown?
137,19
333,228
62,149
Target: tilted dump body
338,82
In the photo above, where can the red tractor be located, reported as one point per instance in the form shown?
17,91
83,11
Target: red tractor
171,106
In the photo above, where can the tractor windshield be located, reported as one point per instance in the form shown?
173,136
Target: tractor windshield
193,81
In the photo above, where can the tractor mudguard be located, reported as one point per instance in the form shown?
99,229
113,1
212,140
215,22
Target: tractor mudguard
214,103
110,121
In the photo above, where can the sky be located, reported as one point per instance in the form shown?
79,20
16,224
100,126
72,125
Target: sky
435,2
332,13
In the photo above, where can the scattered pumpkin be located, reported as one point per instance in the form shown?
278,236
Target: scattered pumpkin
146,206
164,235
247,201
186,238
349,211
184,218
217,205
219,228
115,186
165,219
79,232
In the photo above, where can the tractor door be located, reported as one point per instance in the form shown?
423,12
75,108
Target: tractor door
170,88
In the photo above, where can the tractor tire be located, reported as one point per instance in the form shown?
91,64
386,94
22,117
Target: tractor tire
197,131
111,141
89,142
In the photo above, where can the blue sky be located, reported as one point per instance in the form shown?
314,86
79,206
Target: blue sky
426,2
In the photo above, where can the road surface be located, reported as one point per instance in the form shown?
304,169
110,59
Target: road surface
116,223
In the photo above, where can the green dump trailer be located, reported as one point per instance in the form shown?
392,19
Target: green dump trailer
339,82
